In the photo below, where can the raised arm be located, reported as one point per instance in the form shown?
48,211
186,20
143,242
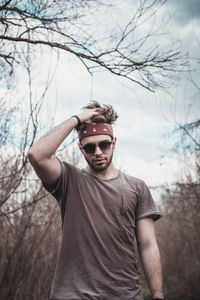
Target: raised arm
41,153
150,256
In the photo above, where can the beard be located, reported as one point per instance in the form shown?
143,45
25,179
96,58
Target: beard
101,166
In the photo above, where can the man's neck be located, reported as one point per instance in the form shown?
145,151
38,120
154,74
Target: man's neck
109,173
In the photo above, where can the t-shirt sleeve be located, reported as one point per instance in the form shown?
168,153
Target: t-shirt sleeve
59,189
146,206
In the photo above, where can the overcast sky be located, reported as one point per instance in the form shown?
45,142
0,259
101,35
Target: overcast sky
145,119
185,11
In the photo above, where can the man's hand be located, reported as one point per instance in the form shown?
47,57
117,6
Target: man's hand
86,115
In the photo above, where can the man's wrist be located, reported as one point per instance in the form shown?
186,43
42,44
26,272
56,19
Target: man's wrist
78,120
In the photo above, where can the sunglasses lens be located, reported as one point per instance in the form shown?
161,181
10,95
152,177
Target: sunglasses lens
104,146
89,148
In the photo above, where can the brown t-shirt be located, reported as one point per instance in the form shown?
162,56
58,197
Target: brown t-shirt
97,259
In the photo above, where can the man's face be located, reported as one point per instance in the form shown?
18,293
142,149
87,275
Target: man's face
98,151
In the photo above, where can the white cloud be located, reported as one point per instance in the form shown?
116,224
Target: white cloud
162,171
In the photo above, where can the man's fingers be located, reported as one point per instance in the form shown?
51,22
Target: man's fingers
88,114
99,110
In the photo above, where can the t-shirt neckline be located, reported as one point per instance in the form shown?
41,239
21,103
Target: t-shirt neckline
100,179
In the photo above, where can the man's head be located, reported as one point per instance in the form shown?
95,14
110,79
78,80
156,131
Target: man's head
98,151
96,140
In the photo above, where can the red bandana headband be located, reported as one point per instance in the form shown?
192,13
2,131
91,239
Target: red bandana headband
95,129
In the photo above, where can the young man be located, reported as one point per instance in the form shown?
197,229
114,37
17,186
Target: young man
105,213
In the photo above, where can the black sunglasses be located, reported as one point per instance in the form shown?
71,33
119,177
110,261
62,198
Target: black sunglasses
90,148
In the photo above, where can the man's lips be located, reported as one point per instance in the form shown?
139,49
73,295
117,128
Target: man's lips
99,160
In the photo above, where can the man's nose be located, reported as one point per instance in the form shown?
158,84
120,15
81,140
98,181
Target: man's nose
97,150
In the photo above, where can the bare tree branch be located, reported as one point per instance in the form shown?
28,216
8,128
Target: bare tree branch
63,26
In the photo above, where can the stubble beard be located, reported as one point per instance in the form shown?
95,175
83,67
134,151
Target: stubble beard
99,168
